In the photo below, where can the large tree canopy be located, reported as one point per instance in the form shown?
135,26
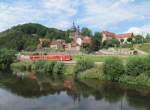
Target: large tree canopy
96,42
86,32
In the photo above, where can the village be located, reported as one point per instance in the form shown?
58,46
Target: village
107,44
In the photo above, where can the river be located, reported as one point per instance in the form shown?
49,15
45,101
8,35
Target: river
27,94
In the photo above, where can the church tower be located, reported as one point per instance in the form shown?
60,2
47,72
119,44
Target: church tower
74,32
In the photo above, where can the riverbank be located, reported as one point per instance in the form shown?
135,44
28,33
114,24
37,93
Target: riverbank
96,72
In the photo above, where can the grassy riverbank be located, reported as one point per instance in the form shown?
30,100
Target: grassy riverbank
132,70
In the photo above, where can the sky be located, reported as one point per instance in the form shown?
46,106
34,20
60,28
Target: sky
117,16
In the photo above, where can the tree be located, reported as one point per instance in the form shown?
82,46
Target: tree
138,39
111,43
96,42
45,43
6,58
130,39
86,32
26,36
85,48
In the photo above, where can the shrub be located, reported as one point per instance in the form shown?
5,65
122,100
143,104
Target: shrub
39,65
83,65
135,66
142,79
113,68
35,53
24,66
59,68
7,57
49,66
147,65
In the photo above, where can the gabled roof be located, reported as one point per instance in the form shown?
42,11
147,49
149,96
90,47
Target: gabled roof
110,34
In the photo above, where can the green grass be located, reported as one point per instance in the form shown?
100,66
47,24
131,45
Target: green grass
69,69
145,47
93,73
100,58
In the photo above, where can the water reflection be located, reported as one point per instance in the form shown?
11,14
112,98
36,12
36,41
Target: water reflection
17,93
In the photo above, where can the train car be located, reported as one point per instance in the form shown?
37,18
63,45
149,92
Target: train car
65,57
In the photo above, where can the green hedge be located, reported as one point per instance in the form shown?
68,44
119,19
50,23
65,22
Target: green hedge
135,66
113,68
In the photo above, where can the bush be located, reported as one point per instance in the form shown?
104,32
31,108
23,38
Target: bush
135,66
39,65
7,57
142,79
49,66
59,68
113,68
24,66
35,53
83,65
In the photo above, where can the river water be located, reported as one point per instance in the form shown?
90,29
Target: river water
53,94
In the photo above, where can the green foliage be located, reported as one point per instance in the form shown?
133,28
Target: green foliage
113,68
96,42
135,66
92,73
85,48
138,39
26,36
83,65
86,32
23,66
126,45
51,68
59,68
39,66
145,47
142,80
45,44
53,33
130,39
6,58
111,43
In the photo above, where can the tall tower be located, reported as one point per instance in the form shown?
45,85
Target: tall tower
74,31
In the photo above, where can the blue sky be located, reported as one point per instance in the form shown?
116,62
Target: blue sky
113,15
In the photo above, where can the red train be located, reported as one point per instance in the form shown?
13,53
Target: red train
65,57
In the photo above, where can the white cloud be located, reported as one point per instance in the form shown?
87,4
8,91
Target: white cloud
96,14
13,14
140,30
61,7
105,14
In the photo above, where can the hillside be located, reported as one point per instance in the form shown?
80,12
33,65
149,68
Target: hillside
145,47
26,36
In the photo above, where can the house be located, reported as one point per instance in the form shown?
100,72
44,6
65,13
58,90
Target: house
121,37
56,44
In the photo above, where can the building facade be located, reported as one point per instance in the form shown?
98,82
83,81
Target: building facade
121,37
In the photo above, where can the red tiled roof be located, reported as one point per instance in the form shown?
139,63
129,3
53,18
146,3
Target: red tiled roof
110,34
86,39
126,35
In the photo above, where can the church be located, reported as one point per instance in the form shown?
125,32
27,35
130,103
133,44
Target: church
77,38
